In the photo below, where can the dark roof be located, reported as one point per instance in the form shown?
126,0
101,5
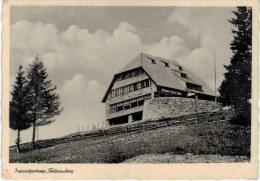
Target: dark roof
163,72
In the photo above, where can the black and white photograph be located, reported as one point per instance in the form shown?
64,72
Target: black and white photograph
130,84
112,84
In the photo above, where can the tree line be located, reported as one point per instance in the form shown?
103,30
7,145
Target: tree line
34,101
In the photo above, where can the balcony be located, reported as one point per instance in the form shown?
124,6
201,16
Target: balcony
124,112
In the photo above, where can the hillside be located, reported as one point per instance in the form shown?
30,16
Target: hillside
135,127
185,158
218,138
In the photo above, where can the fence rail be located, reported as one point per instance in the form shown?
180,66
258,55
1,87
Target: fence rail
133,128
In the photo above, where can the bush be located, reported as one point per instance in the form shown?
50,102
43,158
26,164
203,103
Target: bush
241,119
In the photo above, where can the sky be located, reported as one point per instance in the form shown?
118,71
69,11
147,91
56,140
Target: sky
83,47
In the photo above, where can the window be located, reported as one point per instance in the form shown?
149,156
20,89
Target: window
194,87
180,68
113,109
138,85
139,71
152,60
117,92
120,107
126,89
133,73
113,93
134,104
119,78
147,83
131,88
142,85
120,91
126,104
183,75
140,102
135,86
170,92
129,74
166,64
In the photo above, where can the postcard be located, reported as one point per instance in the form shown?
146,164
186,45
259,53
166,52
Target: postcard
130,89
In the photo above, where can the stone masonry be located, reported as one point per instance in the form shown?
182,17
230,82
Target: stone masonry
164,107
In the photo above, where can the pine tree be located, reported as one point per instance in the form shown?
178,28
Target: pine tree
236,87
19,108
44,101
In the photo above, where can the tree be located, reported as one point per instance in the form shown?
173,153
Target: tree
19,109
236,87
44,101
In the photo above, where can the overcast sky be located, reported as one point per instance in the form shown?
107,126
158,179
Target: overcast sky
82,47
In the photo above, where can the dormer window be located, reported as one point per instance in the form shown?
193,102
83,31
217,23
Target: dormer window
152,60
180,68
165,63
184,75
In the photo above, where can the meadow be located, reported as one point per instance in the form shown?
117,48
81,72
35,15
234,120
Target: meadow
220,138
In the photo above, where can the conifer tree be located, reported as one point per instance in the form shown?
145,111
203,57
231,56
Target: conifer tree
19,107
44,100
236,87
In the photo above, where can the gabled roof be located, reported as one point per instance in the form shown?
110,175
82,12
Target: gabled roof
133,64
163,72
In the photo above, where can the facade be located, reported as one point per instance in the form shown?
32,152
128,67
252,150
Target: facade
148,77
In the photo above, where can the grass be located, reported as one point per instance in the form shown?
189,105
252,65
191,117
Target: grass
218,138
185,158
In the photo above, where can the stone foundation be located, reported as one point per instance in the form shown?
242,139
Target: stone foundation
165,107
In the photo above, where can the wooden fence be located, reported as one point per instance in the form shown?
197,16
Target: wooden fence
133,128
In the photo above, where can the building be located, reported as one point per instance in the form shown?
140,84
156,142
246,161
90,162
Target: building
148,77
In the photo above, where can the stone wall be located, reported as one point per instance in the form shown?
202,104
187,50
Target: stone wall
164,107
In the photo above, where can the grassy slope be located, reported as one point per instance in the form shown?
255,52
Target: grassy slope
208,138
185,158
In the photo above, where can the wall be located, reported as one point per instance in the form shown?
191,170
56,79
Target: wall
133,94
164,107
128,96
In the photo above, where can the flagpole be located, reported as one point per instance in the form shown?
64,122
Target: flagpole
215,74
